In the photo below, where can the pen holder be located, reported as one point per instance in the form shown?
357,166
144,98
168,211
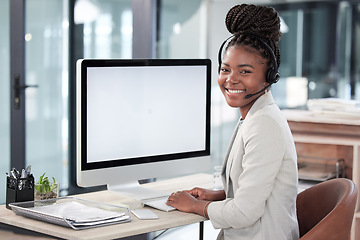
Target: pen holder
19,190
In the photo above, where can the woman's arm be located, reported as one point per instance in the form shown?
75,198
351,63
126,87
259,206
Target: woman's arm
206,194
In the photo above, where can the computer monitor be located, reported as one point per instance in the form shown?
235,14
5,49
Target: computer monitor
141,119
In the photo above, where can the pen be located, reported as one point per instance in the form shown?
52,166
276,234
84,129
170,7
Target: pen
13,174
23,173
28,169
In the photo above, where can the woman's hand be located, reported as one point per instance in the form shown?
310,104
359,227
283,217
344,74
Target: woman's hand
206,194
195,200
183,201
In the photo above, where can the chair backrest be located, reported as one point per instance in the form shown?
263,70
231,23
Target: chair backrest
326,210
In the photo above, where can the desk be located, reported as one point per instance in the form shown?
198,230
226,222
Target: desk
135,227
319,135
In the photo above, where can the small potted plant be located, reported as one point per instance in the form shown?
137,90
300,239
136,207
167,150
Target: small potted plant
46,190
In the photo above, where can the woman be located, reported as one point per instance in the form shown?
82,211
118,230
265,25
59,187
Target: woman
260,171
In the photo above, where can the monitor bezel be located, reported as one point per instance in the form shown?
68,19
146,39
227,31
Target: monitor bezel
86,63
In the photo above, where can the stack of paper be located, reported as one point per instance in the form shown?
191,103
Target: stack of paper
335,106
80,215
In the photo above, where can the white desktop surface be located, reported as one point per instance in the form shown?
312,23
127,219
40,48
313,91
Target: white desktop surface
166,219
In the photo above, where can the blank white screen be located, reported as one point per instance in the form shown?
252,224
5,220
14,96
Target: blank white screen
145,111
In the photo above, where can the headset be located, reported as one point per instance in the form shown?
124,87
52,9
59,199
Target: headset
272,74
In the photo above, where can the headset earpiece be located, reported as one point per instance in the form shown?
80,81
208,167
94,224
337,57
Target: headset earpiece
272,75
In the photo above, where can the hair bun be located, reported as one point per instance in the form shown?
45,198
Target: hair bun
261,21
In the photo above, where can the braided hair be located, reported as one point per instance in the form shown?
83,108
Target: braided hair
247,20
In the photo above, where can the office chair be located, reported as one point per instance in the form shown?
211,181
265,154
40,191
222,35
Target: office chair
326,210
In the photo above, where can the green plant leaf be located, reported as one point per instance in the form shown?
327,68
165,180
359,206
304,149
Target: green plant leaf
44,186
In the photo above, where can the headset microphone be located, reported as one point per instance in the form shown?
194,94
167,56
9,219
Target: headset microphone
253,94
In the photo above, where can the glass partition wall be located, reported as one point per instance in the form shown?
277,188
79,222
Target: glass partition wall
105,28
323,35
182,28
46,66
4,95
355,76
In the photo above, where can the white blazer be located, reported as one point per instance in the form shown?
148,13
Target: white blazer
260,178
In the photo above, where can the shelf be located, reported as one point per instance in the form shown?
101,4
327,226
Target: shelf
322,136
326,139
320,169
310,117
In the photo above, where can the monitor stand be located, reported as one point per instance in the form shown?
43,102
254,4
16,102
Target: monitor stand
135,191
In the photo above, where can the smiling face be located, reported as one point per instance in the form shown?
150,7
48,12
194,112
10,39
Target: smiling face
242,72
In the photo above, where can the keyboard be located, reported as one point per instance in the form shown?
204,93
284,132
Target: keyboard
159,203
